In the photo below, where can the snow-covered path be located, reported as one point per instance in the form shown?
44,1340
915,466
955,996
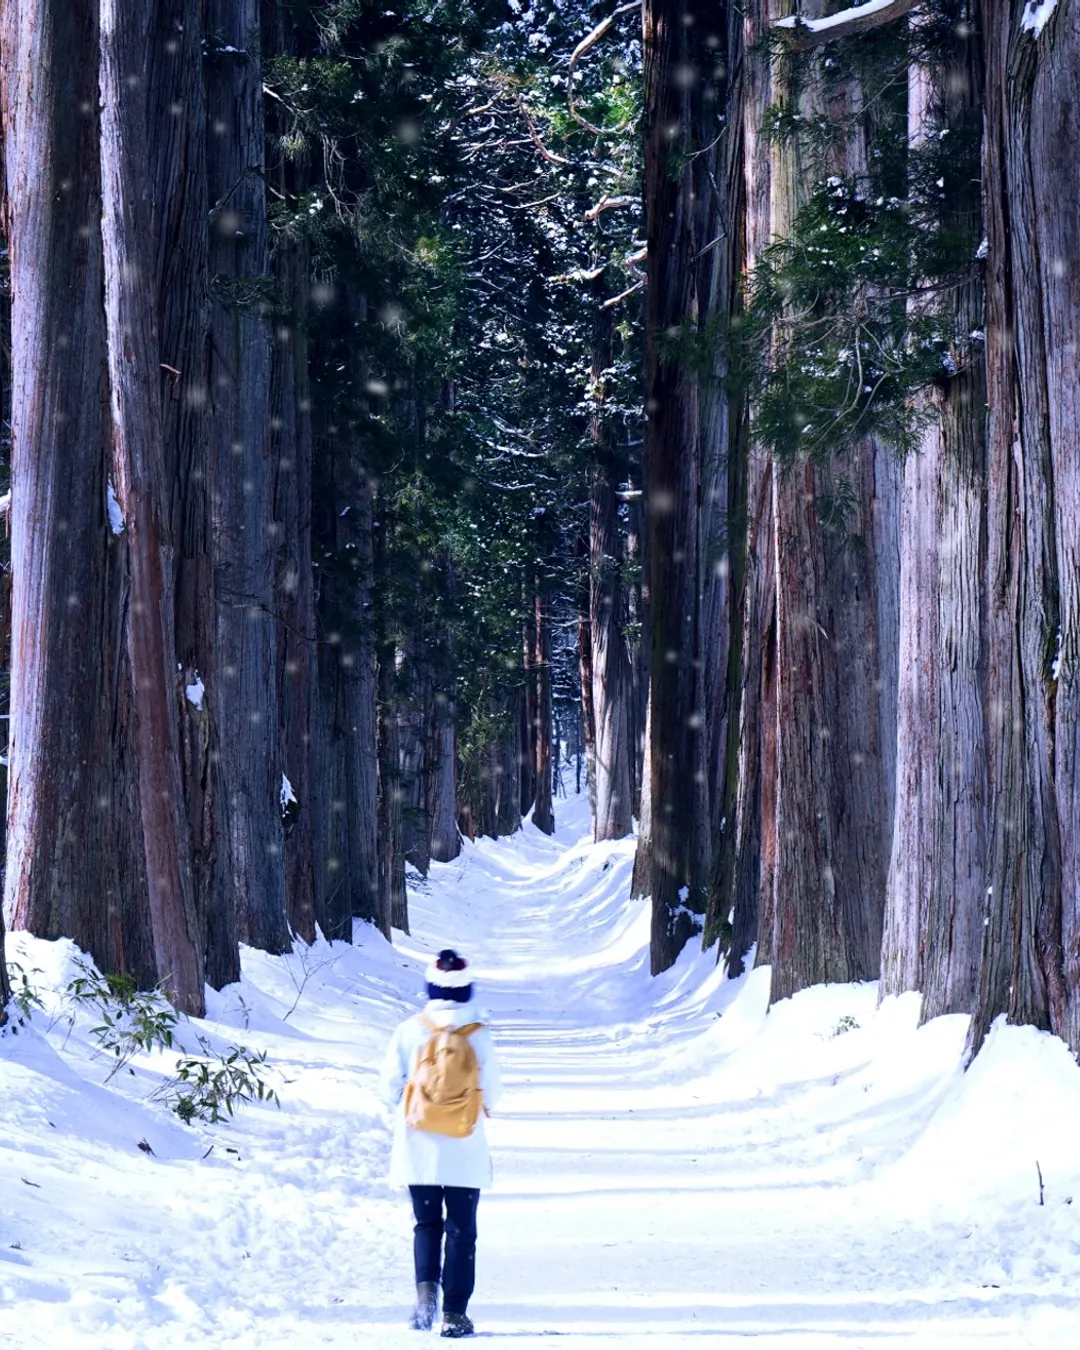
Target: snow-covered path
673,1167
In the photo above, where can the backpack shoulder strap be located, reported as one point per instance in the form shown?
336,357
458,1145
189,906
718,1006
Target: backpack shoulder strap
469,1028
426,1022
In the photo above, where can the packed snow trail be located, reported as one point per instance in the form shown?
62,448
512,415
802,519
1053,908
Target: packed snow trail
673,1167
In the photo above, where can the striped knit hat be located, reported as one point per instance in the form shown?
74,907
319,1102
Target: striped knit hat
448,978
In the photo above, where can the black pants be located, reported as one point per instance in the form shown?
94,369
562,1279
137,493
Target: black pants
459,1269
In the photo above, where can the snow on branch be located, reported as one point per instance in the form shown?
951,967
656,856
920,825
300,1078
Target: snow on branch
598,32
607,203
579,51
618,299
808,33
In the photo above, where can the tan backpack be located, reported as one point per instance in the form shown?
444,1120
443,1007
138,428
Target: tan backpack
443,1094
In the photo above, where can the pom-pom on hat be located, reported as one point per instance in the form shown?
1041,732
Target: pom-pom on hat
448,977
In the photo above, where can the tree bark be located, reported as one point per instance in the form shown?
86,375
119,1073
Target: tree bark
353,637
831,828
142,487
5,987
607,647
391,844
686,50
543,812
508,768
833,669
1031,959
935,895
290,530
810,939
753,863
588,706
415,718
725,480
355,675
754,817
639,657
244,697
291,444
75,861
445,838
770,776
913,860
641,878
529,661
177,152
332,867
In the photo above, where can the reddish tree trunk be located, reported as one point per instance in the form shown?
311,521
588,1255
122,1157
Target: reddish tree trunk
75,861
143,488
835,671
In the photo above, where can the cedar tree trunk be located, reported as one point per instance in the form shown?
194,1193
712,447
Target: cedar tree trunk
143,488
75,862
244,696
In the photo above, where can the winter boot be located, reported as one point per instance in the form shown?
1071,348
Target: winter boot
427,1302
456,1324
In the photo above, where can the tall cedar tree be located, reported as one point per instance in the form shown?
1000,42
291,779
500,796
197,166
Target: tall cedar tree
75,861
686,68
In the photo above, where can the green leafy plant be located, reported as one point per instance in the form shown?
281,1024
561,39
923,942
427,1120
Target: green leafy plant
206,1086
847,1023
210,1086
133,1021
24,997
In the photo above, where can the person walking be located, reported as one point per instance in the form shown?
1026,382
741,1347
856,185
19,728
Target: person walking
440,1077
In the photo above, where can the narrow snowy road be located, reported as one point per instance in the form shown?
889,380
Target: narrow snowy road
673,1167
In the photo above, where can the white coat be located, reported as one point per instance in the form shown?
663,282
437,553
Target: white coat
421,1159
